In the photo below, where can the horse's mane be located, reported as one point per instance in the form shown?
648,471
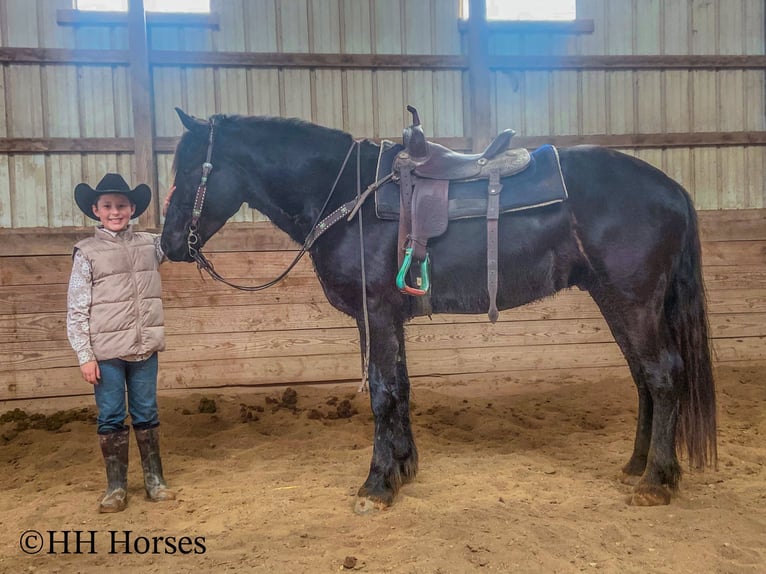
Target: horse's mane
284,126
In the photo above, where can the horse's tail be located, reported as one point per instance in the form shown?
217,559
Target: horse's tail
685,310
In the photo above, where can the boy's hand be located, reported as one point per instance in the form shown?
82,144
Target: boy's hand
90,372
167,200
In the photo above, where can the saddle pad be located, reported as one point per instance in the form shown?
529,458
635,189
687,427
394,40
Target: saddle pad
541,183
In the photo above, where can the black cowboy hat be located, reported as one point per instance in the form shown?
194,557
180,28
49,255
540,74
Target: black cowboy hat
85,196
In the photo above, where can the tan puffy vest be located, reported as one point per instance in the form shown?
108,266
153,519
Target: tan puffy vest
126,306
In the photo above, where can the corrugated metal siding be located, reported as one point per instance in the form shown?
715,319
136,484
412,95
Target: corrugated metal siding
94,100
624,102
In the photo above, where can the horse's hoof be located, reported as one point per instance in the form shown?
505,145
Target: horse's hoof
646,495
365,505
630,479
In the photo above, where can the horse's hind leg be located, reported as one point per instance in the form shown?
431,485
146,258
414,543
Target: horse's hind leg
642,333
394,456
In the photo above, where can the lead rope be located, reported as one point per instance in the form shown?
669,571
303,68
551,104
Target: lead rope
366,362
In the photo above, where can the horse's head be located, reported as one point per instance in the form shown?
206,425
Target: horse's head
222,196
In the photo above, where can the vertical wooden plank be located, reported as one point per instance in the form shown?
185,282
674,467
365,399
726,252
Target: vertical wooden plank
96,101
143,115
324,23
446,36
21,24
263,92
233,90
359,86
755,168
678,111
297,84
649,102
388,28
620,103
705,178
564,103
648,27
705,104
754,102
509,104
200,91
65,173
417,26
391,106
537,99
753,41
261,26
731,28
357,33
677,163
62,116
732,185
164,178
329,98
619,27
6,211
677,27
53,35
24,102
705,39
29,191
448,104
4,96
595,43
294,25
168,93
594,102
123,109
419,92
730,107
230,37
479,74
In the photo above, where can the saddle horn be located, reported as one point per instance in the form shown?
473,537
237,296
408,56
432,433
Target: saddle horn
414,138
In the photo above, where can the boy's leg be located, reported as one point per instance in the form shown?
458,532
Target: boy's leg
113,435
142,403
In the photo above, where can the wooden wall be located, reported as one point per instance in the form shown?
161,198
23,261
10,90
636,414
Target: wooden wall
679,83
289,334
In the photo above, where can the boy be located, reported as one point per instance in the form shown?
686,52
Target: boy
115,325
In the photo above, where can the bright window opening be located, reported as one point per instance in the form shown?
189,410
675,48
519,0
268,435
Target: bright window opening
178,6
525,10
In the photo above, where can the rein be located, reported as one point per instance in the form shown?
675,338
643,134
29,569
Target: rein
317,229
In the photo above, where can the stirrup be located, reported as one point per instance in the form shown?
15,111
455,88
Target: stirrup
423,281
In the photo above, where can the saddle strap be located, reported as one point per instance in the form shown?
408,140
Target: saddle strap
493,214
405,210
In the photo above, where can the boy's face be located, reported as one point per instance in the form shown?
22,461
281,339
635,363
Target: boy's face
114,211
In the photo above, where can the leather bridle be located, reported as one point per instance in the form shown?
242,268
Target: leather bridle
317,229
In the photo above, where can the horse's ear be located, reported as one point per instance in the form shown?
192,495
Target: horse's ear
190,122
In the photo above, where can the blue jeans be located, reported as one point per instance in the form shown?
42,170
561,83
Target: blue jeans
140,378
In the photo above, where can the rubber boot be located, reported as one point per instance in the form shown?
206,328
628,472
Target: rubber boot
149,445
114,447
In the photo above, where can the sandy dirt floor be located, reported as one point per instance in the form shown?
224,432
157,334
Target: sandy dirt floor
513,478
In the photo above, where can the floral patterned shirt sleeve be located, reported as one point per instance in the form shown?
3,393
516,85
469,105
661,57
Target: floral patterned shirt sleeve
158,248
78,308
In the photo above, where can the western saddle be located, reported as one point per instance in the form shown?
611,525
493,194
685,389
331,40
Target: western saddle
425,170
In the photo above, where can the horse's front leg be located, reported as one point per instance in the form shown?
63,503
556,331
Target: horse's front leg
394,456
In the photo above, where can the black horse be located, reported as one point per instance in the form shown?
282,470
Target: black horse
627,234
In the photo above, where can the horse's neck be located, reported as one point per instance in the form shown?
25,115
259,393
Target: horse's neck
300,181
